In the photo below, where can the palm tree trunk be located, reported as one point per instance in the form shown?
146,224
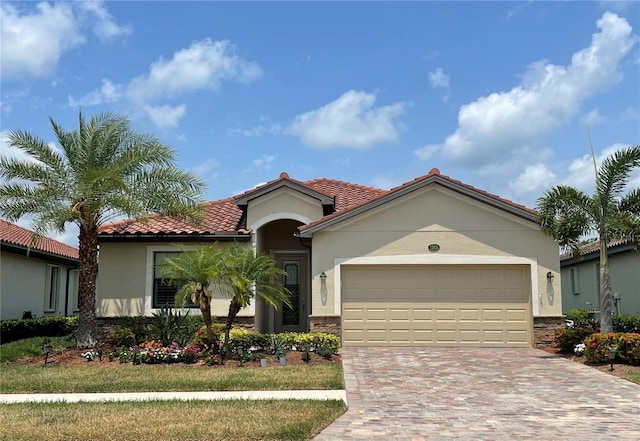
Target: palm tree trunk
206,316
606,300
88,266
234,309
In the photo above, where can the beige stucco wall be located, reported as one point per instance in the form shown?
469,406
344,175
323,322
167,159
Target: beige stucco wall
282,203
125,278
23,286
434,215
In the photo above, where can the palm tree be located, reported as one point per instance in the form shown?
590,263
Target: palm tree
243,275
196,268
568,214
104,170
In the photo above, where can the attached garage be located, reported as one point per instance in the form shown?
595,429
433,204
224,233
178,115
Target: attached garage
437,305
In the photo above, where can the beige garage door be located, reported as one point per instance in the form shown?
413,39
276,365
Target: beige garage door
431,305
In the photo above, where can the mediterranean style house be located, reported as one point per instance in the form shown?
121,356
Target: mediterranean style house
38,278
581,278
431,262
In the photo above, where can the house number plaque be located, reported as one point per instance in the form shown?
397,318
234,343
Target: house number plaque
434,247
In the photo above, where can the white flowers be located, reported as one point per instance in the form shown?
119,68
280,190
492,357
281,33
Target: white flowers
579,349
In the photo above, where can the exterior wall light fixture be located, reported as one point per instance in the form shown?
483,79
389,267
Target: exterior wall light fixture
550,276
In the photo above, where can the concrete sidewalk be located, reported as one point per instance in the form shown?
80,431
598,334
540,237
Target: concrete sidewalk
183,396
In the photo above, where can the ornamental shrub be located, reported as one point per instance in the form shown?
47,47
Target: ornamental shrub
626,323
627,344
629,348
13,330
566,339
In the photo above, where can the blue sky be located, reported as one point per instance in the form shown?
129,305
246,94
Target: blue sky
495,94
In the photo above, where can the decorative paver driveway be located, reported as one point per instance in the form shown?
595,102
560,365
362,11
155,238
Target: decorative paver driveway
481,394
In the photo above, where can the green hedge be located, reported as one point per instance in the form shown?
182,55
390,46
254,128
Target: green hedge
13,330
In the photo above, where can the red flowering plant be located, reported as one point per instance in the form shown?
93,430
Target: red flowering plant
627,347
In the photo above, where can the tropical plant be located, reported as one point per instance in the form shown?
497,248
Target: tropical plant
244,275
103,170
568,215
195,268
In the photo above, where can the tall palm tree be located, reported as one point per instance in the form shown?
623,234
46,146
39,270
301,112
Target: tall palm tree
104,170
195,268
243,275
568,214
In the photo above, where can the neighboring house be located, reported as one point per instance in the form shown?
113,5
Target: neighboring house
431,262
581,278
40,277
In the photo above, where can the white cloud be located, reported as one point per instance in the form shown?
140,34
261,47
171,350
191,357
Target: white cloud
107,93
592,118
503,125
32,43
203,65
264,161
439,79
257,131
103,24
535,178
205,168
427,151
581,173
350,121
165,116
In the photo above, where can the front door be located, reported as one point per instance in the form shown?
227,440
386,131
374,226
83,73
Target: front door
294,318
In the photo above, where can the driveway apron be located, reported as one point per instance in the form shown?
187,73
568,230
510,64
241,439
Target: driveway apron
481,394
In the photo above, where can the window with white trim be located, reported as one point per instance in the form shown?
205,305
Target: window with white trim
575,281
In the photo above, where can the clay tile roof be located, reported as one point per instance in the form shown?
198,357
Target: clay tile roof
346,195
436,172
16,235
220,216
593,247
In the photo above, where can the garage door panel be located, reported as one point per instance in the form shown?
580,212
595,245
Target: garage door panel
425,305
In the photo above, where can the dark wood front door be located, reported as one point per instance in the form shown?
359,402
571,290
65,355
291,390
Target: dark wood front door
294,318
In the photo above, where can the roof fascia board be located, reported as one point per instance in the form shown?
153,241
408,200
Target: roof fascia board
402,191
246,198
174,238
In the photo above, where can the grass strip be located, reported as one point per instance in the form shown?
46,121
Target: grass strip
94,377
634,377
169,420
31,347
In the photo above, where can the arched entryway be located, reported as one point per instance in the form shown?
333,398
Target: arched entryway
277,239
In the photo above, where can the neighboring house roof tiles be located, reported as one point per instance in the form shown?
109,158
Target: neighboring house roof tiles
593,247
13,234
225,215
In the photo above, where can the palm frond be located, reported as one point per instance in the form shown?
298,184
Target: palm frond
565,214
614,172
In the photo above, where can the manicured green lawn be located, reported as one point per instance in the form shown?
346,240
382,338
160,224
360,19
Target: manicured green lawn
633,377
30,347
16,378
169,420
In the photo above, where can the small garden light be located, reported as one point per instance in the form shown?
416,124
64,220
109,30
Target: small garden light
612,354
46,348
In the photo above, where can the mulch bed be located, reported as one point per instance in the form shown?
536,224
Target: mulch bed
619,370
73,357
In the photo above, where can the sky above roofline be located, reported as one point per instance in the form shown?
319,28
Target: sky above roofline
498,95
